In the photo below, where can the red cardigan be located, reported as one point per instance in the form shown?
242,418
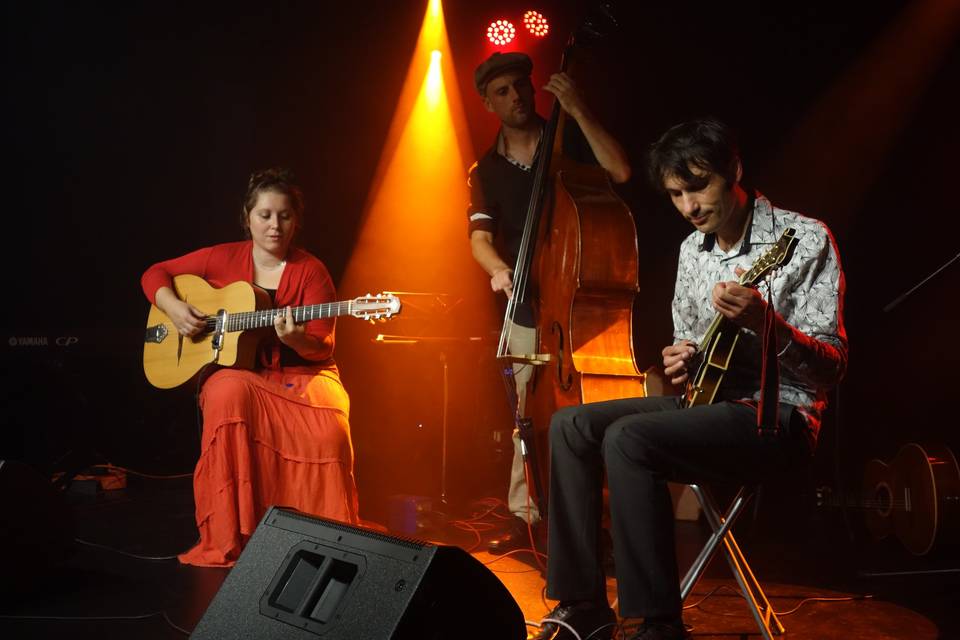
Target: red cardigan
305,280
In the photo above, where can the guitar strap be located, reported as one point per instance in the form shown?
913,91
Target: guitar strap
769,405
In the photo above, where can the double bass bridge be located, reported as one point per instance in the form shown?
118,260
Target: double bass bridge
536,359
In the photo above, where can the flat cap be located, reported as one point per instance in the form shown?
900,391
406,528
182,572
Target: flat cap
498,64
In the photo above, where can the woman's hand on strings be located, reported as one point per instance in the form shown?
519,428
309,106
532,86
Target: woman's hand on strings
289,332
188,320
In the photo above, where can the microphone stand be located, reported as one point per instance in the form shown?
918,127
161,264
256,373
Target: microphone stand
904,296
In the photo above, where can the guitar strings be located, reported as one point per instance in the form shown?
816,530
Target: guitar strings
263,317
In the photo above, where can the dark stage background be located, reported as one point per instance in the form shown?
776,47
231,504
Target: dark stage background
130,131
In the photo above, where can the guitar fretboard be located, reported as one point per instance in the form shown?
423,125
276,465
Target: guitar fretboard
264,317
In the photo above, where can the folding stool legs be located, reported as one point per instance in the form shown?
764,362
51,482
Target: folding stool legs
763,613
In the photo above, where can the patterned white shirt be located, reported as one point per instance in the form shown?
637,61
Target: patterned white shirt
807,293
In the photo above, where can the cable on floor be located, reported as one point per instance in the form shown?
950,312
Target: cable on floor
133,555
146,616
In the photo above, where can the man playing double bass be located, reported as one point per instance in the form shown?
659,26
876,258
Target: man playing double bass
500,189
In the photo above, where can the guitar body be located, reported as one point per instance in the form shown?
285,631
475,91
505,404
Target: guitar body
916,496
170,359
714,364
720,339
878,495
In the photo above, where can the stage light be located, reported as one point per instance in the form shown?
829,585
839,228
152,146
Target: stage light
501,32
536,24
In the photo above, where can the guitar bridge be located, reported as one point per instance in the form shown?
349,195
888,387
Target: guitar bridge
156,334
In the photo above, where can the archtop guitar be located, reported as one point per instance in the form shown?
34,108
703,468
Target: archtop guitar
716,348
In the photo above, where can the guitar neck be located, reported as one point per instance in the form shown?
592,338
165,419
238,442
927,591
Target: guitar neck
265,317
711,332
748,279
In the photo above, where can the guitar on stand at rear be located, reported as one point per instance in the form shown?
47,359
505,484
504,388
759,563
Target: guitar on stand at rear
239,317
916,497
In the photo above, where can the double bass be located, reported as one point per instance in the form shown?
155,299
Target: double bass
578,268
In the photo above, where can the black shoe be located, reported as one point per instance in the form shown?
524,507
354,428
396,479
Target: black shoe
590,620
515,537
660,631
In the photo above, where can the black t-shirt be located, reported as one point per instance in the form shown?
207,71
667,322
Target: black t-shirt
500,196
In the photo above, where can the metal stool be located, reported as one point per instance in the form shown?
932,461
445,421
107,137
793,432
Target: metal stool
760,607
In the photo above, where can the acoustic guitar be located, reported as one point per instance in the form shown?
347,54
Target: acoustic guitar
239,318
916,497
716,348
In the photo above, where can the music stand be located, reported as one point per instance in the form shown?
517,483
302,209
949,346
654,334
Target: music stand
387,339
432,304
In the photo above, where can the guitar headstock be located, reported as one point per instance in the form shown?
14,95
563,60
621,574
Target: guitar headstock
375,307
776,256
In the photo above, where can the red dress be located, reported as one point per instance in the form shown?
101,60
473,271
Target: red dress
275,436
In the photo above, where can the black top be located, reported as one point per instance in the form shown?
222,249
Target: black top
500,195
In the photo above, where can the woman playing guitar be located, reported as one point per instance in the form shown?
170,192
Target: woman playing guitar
278,434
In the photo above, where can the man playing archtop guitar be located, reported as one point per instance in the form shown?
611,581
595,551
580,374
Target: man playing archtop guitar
708,434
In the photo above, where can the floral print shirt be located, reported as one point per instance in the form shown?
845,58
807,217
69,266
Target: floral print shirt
807,292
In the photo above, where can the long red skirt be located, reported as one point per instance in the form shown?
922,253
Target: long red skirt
269,438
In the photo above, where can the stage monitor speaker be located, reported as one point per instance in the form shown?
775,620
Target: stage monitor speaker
306,577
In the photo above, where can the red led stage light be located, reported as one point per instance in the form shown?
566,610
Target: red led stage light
501,32
536,23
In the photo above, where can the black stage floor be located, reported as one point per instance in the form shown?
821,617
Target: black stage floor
99,592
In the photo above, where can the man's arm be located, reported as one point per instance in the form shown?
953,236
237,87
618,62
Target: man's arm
482,216
605,147
820,360
814,346
486,255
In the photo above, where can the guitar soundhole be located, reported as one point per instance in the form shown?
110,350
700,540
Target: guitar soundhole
883,499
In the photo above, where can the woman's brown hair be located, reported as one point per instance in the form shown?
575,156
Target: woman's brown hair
276,179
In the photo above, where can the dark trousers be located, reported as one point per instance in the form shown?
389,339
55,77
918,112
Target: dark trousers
643,443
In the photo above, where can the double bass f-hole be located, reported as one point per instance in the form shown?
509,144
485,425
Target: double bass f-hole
565,383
